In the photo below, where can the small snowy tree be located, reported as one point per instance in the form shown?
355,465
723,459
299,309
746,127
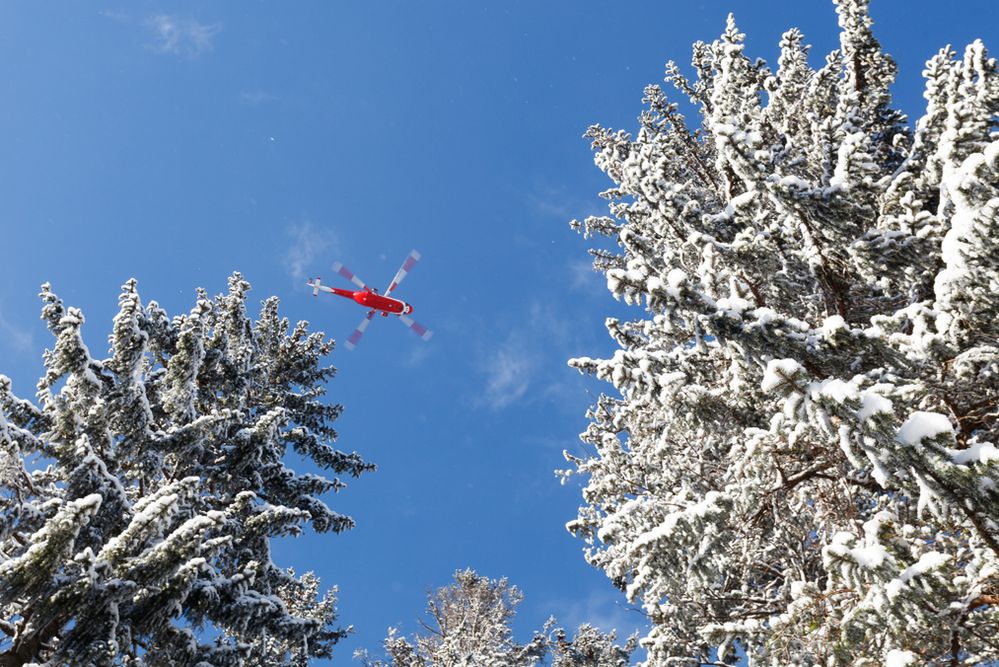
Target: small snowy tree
801,456
589,647
470,627
140,493
300,597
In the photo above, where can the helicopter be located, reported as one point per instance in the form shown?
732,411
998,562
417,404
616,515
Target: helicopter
373,301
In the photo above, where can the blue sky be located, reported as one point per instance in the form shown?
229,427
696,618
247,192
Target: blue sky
178,142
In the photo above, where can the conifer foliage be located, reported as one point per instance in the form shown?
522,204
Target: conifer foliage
800,458
469,626
140,492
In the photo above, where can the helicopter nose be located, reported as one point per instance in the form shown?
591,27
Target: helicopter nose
409,309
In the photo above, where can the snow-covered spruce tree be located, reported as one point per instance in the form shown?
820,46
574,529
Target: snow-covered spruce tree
801,456
589,647
301,599
469,626
139,494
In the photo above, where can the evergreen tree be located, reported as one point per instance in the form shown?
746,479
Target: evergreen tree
470,627
140,493
591,648
801,455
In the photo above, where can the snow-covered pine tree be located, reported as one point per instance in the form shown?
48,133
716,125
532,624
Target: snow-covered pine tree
589,647
801,455
140,493
300,596
469,626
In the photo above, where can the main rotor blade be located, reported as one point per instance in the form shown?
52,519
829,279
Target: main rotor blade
410,262
355,337
349,275
417,328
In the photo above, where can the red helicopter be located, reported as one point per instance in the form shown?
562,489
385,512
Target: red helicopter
370,298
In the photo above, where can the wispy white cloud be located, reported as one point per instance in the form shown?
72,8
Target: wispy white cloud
529,363
308,242
605,609
548,322
549,204
187,38
254,98
14,336
508,371
583,278
115,15
551,201
419,352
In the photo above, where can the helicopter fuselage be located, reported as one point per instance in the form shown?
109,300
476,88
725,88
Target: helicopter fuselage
369,299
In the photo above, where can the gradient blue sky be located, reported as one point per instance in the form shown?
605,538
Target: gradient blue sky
177,142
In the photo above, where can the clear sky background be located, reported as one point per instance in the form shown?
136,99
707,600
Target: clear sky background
178,142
